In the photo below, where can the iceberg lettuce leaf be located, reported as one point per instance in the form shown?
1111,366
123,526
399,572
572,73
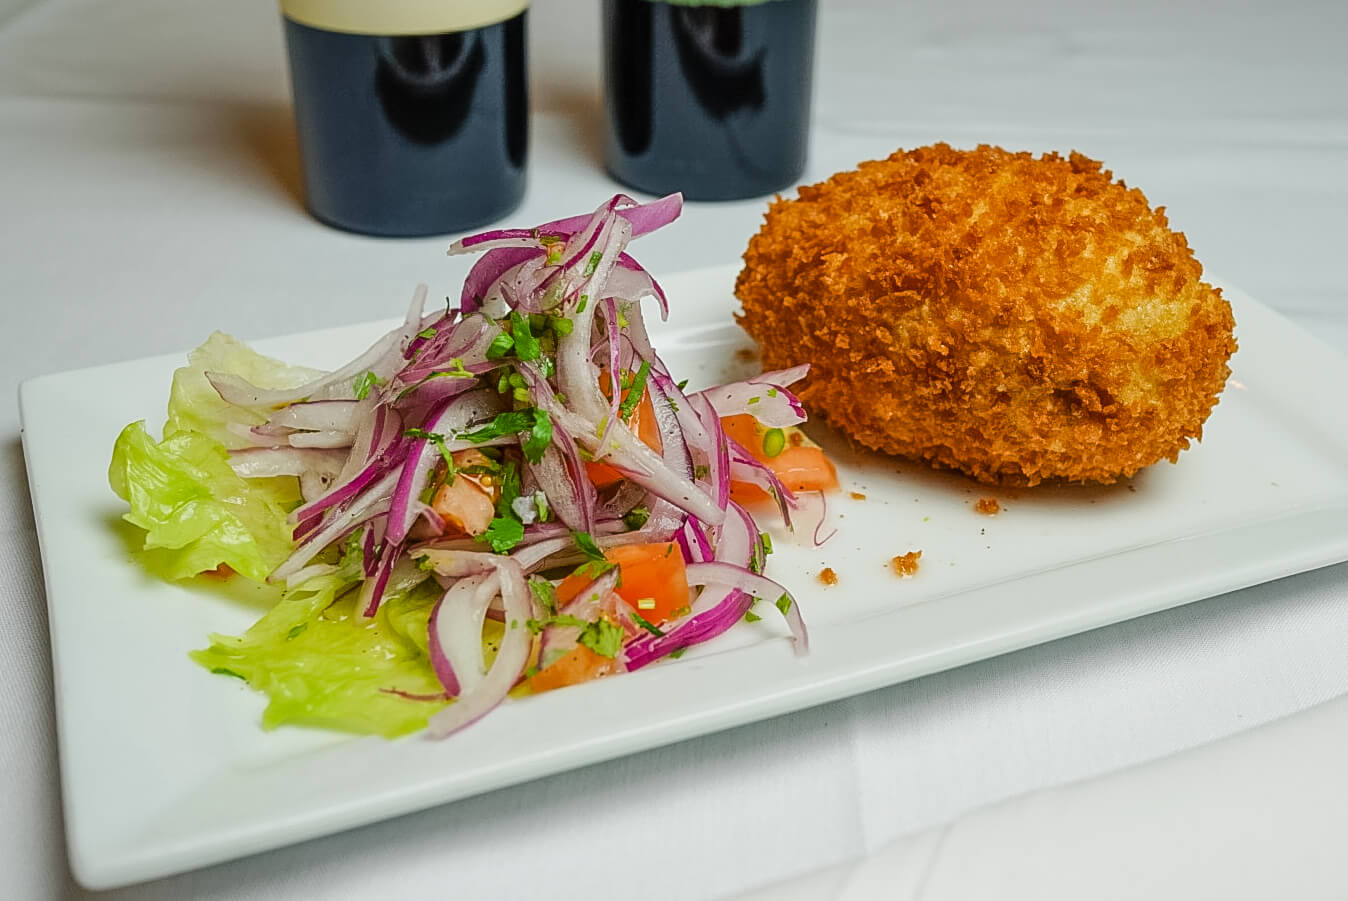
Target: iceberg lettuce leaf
194,404
322,665
197,513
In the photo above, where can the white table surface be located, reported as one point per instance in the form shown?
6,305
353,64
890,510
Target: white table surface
149,193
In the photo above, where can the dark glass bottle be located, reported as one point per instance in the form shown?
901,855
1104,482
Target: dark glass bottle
711,100
409,133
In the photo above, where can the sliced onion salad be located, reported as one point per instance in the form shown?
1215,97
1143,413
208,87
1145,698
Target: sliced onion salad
529,373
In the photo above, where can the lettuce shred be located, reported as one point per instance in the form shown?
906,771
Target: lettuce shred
196,512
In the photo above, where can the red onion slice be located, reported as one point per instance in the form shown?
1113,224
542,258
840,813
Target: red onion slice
511,658
382,359
764,396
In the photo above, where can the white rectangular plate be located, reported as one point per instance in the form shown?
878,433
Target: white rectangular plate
165,768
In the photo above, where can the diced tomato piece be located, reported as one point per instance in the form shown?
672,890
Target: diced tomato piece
467,504
641,421
798,463
580,664
651,578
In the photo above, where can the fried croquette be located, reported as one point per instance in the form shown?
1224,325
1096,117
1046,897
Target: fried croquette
1012,317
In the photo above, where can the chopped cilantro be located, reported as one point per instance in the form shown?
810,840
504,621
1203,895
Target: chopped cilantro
755,399
545,592
602,637
428,333
767,542
772,392
783,603
675,655
681,385
751,617
526,345
561,326
439,441
509,482
636,518
596,563
536,422
364,383
541,506
647,625
584,302
540,436
503,534
559,619
592,263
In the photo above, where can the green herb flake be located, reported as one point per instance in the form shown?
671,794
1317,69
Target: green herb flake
596,563
772,392
675,655
424,564
592,264
767,542
438,440
503,534
681,385
648,625
365,383
751,617
428,333
561,326
526,345
540,437
783,604
545,593
774,442
603,637
584,302
755,399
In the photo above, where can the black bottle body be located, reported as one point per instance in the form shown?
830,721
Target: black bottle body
710,100
405,135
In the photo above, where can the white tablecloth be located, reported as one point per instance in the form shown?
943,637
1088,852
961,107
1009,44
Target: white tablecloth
149,193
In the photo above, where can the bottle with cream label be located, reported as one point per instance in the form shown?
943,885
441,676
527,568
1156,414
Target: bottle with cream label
412,114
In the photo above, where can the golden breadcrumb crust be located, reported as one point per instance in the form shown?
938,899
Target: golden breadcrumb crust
1015,318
